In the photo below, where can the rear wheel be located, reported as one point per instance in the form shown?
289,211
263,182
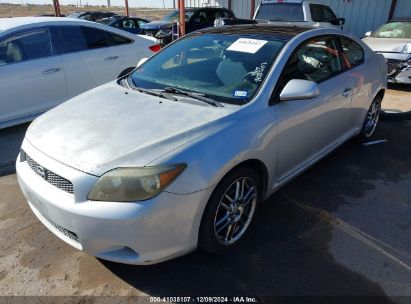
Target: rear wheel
371,120
230,211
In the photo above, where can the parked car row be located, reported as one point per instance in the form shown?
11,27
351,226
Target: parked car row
180,153
46,61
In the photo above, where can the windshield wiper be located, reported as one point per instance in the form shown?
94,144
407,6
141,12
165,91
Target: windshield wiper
197,96
156,93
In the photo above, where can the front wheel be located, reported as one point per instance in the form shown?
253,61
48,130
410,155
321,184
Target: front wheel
371,120
230,211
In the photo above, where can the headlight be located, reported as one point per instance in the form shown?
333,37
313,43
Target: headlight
134,184
407,48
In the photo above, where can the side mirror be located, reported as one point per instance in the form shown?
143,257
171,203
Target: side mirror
341,21
298,89
142,60
368,34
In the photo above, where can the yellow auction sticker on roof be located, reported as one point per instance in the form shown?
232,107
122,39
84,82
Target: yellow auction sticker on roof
247,45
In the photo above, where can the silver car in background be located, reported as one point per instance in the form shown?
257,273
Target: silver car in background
180,153
393,40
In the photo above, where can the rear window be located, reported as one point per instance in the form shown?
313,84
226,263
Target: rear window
280,12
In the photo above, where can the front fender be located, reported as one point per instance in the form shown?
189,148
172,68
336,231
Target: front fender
209,158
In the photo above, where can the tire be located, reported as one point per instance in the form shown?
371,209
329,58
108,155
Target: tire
224,212
125,72
371,120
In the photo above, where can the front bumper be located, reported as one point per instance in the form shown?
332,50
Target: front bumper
399,68
133,233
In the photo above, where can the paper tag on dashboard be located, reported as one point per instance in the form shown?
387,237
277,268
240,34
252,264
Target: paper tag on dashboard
246,45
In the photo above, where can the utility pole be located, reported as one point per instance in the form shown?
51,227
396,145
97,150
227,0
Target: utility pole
108,3
127,11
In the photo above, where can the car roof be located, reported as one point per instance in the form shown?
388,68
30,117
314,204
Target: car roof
9,23
257,29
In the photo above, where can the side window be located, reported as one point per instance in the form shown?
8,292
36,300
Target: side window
353,53
316,60
117,39
129,24
25,46
322,13
228,14
95,38
73,39
201,16
221,13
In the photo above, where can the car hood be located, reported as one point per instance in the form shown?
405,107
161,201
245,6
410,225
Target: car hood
156,25
110,127
387,45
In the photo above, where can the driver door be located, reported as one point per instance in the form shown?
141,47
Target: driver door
308,128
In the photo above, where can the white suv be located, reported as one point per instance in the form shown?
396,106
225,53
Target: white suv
298,12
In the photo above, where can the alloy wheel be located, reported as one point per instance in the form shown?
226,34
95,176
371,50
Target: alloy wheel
235,211
372,118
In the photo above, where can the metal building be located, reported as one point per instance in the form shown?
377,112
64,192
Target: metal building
361,15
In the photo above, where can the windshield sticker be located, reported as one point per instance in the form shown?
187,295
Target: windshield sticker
259,72
242,94
246,45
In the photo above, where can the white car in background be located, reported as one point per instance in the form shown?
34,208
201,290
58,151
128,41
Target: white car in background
393,40
46,61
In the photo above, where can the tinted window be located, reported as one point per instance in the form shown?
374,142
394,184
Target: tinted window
25,46
316,60
229,68
73,39
141,22
175,16
117,39
129,24
95,38
322,13
281,12
353,53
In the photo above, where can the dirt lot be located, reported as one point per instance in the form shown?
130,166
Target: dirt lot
10,10
342,228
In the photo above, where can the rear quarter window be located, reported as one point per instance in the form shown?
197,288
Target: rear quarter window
353,52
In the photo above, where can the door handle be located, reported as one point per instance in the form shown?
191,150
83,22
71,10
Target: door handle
111,58
51,71
346,92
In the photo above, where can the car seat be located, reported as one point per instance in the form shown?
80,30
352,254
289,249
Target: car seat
14,53
231,69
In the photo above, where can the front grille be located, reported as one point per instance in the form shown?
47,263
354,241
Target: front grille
393,65
63,230
49,176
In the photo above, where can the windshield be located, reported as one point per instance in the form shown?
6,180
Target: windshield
280,12
226,68
394,30
175,16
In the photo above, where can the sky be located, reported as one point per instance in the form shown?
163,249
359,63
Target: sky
132,3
